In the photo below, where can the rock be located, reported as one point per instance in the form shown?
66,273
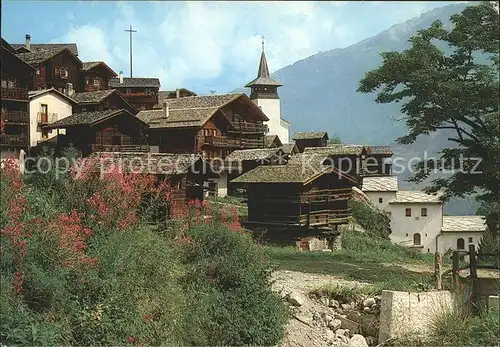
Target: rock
335,324
378,298
366,309
333,303
330,335
371,341
355,316
295,299
374,306
316,316
357,341
324,301
347,332
340,332
326,317
345,307
369,302
349,324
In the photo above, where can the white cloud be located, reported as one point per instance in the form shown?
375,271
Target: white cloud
189,42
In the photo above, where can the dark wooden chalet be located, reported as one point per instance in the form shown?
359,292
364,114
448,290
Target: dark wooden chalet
272,141
296,196
102,100
37,47
310,139
102,131
56,68
211,125
187,174
16,76
95,76
165,95
141,92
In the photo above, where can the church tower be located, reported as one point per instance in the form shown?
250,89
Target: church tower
264,93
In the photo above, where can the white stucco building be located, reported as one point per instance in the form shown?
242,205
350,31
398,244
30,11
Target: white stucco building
47,106
380,190
416,219
458,232
264,93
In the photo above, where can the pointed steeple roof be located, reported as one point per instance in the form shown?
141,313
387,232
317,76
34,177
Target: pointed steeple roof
263,76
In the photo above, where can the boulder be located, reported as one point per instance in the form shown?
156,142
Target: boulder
335,324
369,302
340,332
366,309
349,324
357,341
324,301
326,317
333,303
345,307
295,299
330,335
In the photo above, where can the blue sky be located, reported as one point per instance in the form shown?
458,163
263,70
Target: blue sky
202,45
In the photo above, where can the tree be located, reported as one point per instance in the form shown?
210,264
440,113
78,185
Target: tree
457,91
334,140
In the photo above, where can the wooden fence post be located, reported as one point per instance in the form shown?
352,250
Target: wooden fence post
454,271
438,270
473,262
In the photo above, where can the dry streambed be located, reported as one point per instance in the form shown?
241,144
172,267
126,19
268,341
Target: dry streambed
321,321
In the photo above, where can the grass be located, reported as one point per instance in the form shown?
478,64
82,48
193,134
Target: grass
364,259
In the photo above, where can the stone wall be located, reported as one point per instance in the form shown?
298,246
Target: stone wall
409,314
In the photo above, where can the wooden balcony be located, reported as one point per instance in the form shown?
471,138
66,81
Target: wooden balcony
15,117
246,127
119,148
225,142
312,219
318,196
14,140
46,118
139,95
14,93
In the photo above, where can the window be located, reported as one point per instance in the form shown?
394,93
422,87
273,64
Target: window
460,243
45,134
471,240
97,82
116,140
416,239
37,71
11,83
4,83
423,212
406,234
380,200
408,212
56,71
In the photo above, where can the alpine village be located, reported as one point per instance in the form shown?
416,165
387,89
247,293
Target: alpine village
312,201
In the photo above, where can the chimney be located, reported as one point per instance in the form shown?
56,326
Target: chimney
121,77
28,44
177,93
166,111
69,89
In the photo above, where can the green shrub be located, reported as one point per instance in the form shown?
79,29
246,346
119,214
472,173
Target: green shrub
375,222
228,277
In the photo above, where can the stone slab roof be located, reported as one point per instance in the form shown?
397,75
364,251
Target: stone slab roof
36,58
94,97
190,111
288,148
134,82
464,224
335,149
310,135
252,154
269,140
89,65
380,184
280,174
414,197
86,118
168,95
37,47
381,150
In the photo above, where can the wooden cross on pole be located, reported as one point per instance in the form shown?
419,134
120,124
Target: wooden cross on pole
131,31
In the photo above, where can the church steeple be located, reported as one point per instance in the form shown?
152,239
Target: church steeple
264,85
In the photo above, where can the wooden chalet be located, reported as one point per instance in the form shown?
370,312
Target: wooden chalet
102,100
272,141
57,68
355,160
102,131
310,139
140,92
187,174
296,196
211,125
16,76
95,76
165,95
